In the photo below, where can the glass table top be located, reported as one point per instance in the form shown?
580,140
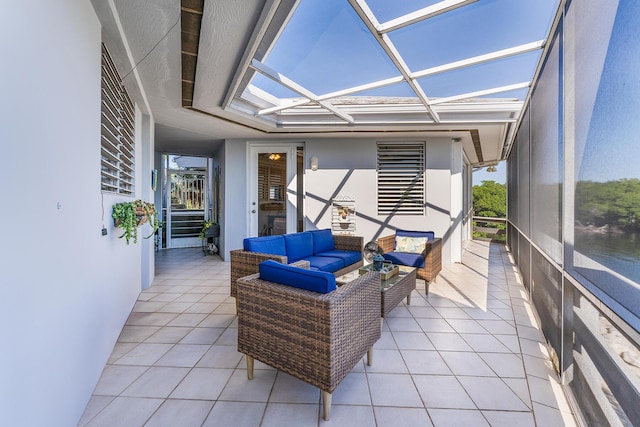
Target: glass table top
386,284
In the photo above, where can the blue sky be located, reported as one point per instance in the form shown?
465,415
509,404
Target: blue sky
326,47
612,146
482,175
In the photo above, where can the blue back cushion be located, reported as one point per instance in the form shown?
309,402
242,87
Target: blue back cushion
299,245
322,241
316,281
273,245
409,233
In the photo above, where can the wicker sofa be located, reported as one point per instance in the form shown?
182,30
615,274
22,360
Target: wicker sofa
315,337
337,254
428,262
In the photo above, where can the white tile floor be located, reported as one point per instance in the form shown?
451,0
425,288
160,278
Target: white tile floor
468,354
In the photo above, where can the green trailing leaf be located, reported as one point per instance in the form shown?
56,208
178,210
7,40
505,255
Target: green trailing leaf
129,215
206,224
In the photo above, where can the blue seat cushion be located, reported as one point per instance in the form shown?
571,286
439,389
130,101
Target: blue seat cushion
325,263
299,245
349,257
322,241
273,245
403,258
316,281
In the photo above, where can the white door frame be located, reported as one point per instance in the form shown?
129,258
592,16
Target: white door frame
205,174
253,149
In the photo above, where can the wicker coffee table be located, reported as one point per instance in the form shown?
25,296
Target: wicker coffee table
393,290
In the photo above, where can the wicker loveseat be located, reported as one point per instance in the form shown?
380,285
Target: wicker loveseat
337,254
428,261
315,337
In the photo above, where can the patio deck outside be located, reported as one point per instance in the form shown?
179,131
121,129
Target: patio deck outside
469,353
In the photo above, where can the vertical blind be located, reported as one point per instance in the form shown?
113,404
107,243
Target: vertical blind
401,178
117,122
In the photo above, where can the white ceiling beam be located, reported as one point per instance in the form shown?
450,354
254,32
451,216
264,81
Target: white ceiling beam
422,14
337,112
290,84
260,29
369,19
336,94
404,70
499,54
397,122
480,107
284,105
481,93
282,79
471,121
367,86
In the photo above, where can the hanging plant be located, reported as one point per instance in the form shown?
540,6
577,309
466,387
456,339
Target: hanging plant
128,216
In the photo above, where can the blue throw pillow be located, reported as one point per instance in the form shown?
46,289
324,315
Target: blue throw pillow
322,241
316,281
273,245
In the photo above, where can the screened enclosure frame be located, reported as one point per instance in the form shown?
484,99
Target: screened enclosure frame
351,106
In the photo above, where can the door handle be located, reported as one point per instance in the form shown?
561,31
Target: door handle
253,211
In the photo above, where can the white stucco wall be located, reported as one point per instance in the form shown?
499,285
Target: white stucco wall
348,167
234,210
66,289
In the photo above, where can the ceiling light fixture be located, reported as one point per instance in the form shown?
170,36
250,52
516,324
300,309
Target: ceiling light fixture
274,156
492,168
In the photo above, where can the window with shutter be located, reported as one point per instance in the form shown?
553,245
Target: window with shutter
117,124
401,188
271,183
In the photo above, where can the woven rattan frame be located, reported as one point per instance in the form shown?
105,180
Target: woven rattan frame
392,296
244,263
432,258
317,338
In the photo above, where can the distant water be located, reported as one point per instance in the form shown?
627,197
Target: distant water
619,252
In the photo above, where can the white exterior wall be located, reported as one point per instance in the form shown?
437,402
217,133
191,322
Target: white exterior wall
233,224
145,153
457,195
66,289
349,168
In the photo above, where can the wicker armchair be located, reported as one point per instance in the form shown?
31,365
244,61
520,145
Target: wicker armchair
244,263
317,338
432,258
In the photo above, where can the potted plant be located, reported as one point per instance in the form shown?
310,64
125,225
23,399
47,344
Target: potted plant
130,215
344,212
209,229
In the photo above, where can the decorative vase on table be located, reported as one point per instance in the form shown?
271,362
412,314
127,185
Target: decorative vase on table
378,260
